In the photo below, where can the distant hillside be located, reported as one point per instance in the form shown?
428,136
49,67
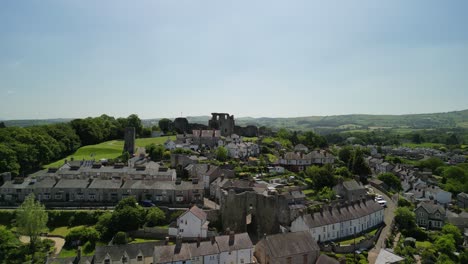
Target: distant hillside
417,121
35,122
323,123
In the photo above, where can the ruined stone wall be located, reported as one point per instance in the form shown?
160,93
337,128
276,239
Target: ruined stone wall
267,212
223,122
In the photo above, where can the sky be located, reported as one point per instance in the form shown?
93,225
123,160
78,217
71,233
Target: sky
170,58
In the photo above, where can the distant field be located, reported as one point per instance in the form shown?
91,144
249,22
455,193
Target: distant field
107,150
423,145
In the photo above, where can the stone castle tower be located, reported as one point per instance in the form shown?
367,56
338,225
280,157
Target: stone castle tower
223,122
129,138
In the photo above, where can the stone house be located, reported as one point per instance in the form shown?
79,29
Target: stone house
334,223
350,190
235,248
297,247
191,224
430,215
462,200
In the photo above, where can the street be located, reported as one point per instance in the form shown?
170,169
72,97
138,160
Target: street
388,218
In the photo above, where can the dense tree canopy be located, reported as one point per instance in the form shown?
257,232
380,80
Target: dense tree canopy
405,218
392,181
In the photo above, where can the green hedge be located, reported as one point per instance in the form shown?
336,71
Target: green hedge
6,217
73,218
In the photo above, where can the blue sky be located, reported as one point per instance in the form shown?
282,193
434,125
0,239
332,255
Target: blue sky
154,58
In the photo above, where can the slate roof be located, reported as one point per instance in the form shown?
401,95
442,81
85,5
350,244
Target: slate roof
463,195
204,249
346,213
169,253
386,257
241,241
324,259
287,244
117,251
105,184
352,185
431,208
72,183
45,183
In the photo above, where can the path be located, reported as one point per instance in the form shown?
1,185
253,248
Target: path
59,242
388,218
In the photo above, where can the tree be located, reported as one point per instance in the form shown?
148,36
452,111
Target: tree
120,238
221,154
31,219
155,216
156,152
134,121
83,235
405,218
345,155
392,181
321,177
8,160
431,163
453,140
445,244
103,226
8,243
417,138
165,125
358,164
128,201
454,231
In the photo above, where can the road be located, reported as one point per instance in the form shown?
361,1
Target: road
388,218
59,242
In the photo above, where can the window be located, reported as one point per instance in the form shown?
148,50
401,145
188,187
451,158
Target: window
58,196
179,198
140,258
107,261
305,259
92,196
124,259
158,198
288,260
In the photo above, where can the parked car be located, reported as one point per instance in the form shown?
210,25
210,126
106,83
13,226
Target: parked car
147,203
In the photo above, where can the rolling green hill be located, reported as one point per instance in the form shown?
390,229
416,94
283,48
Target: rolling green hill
107,150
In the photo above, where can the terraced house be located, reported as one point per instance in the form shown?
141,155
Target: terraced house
335,223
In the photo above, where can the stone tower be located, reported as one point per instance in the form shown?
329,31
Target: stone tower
129,140
223,122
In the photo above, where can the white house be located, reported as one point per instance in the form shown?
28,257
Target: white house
340,222
191,224
235,248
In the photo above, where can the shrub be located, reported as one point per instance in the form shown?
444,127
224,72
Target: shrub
120,238
81,235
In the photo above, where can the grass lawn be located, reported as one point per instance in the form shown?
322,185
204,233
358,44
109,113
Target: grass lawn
63,230
423,244
107,150
66,253
142,240
249,139
358,238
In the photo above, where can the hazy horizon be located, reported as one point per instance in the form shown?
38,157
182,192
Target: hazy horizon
74,59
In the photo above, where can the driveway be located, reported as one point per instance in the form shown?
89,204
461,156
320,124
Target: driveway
389,214
59,242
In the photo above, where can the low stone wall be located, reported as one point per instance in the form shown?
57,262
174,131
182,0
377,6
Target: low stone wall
343,249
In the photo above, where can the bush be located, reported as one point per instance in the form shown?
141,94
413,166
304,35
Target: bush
155,216
120,238
72,218
7,217
88,247
80,236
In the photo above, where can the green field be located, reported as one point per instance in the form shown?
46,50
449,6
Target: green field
423,145
63,230
107,150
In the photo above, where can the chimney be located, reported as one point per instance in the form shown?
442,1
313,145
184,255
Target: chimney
338,207
198,241
228,231
166,242
213,240
231,238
